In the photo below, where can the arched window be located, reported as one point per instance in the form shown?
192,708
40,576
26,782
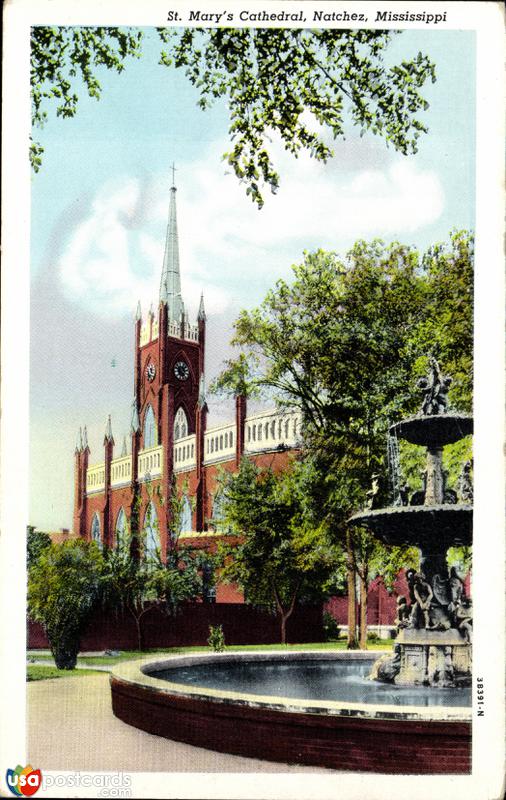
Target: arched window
185,520
121,528
151,534
180,425
150,437
217,519
95,530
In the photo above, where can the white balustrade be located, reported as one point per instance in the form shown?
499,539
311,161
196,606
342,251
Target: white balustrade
267,431
121,470
184,453
95,478
149,332
220,443
173,328
270,430
149,463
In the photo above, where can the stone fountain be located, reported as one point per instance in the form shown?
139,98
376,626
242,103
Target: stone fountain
318,707
434,624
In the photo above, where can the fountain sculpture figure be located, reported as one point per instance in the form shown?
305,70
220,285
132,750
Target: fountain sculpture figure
434,624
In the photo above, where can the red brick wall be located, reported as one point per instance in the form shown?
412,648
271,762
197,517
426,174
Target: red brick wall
242,624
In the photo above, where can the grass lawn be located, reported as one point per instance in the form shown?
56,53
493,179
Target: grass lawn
36,672
129,655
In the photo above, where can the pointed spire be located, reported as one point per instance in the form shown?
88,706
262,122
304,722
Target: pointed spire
85,439
202,312
202,401
108,431
79,441
124,448
138,313
170,284
135,423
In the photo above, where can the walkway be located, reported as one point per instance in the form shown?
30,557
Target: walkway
71,727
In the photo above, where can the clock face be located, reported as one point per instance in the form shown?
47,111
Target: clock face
151,371
181,370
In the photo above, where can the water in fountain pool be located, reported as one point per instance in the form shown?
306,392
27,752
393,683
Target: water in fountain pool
310,680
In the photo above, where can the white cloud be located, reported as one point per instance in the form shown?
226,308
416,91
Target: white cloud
228,248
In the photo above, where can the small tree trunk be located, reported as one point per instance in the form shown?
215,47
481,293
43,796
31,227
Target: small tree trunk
352,608
281,611
137,617
363,613
284,618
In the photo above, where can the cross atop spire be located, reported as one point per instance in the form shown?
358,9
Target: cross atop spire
173,168
170,284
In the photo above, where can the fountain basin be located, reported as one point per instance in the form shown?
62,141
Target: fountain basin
433,430
423,526
388,737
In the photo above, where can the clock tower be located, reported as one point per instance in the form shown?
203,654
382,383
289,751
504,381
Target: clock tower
169,370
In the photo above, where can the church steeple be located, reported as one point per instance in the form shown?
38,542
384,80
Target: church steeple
170,284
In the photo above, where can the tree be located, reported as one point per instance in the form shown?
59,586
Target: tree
345,342
285,82
237,378
64,587
36,543
136,581
279,556
64,59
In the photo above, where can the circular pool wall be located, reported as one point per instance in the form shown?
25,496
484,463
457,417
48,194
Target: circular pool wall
390,733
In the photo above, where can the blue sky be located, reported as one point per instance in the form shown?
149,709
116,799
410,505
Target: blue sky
99,211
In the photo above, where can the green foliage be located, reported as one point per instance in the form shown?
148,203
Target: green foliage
236,379
135,584
284,82
446,329
331,629
63,589
64,59
345,343
39,672
289,81
283,554
216,639
36,543
460,557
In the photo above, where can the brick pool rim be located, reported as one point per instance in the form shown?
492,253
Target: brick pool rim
335,734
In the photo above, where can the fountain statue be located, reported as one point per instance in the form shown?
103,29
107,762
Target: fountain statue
434,625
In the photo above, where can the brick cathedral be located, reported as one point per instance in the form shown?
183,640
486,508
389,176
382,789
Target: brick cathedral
170,441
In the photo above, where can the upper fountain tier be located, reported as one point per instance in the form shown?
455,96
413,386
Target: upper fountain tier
433,430
435,517
434,427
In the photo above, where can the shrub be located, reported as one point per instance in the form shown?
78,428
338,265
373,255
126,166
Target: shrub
36,543
63,589
331,629
216,638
